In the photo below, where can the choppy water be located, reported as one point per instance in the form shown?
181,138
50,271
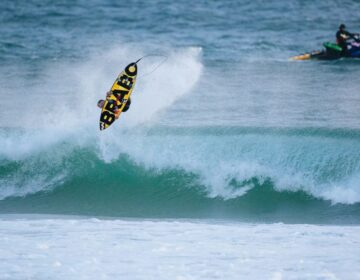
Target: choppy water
226,128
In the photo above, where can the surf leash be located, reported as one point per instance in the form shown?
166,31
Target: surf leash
157,66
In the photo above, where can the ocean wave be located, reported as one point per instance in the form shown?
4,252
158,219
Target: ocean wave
123,188
224,163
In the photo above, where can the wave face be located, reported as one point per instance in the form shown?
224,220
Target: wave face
248,173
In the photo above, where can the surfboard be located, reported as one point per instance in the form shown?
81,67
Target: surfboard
120,94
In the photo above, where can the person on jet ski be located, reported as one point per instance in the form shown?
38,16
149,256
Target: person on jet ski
342,36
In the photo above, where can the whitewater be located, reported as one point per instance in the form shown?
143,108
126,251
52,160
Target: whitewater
232,162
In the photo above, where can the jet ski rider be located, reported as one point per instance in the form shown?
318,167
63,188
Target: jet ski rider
342,36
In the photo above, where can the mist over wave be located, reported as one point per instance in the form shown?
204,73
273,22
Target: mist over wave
64,94
61,101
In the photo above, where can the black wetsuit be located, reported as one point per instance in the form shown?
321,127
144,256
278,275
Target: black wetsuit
342,41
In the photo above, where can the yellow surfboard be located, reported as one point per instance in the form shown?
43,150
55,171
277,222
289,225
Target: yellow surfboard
120,94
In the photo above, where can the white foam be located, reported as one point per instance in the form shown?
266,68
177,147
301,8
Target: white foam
73,248
228,165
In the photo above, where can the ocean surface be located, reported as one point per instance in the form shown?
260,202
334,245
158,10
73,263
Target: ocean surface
232,160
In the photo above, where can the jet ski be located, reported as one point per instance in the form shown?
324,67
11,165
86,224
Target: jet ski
333,51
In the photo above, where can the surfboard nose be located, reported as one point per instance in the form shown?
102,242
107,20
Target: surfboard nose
131,69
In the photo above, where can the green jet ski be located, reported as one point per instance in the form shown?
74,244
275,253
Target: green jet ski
332,51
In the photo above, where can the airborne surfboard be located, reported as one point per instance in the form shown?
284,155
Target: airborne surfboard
120,94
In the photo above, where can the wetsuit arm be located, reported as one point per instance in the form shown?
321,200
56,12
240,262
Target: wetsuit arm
350,35
354,35
342,36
